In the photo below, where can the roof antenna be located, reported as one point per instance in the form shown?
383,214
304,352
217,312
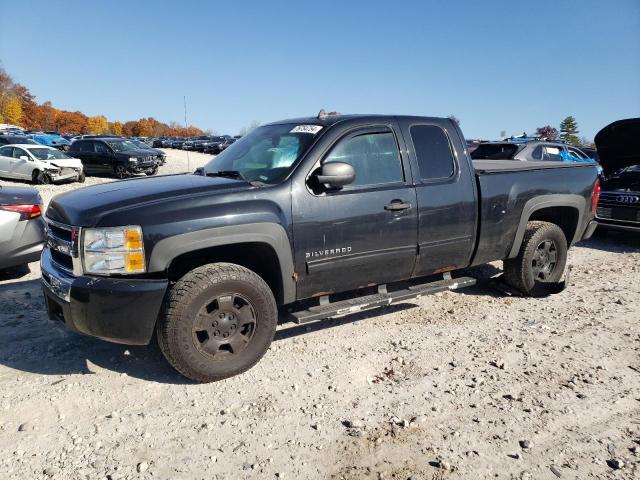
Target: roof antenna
322,115
184,98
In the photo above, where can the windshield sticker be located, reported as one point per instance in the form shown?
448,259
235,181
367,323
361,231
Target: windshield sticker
312,129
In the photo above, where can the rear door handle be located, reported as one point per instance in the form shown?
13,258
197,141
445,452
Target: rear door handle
397,205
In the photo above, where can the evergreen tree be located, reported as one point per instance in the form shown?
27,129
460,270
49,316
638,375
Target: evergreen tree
569,131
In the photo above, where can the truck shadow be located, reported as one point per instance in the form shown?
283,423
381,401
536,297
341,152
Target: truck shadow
30,342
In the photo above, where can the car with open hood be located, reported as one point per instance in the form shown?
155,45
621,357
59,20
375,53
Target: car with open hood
618,146
39,164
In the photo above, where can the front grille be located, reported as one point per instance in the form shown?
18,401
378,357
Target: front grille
62,260
62,241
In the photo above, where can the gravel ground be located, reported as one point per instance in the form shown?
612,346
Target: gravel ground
471,384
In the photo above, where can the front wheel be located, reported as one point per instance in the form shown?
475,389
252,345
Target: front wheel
541,260
82,177
41,178
218,321
121,171
152,171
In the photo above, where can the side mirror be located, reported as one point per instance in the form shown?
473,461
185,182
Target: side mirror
336,174
24,157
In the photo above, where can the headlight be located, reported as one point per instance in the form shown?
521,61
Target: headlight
112,250
133,160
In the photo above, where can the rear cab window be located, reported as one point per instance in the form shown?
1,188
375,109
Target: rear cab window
433,152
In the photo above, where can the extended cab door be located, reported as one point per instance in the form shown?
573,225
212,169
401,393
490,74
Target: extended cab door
365,233
446,193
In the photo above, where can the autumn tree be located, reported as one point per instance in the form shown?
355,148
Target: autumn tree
97,125
569,130
12,111
116,128
548,132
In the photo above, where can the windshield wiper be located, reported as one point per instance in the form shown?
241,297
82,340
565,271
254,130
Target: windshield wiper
226,173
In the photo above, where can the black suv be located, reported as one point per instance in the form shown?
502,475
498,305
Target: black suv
113,156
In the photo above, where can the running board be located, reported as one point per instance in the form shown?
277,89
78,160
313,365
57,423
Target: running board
382,298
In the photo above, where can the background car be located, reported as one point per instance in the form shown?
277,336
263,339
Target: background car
21,226
13,139
161,157
113,156
226,144
51,140
214,145
39,164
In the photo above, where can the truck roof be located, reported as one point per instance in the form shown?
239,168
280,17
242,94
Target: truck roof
333,119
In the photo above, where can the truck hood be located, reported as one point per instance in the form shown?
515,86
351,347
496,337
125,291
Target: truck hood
86,206
618,145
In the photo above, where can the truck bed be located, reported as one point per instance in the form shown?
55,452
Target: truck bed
506,190
502,166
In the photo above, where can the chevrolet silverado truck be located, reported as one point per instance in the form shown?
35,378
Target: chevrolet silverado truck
304,219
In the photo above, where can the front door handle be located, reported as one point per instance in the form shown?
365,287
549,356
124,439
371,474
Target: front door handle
397,205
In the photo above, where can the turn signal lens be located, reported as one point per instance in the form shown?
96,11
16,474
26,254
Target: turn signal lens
133,239
134,262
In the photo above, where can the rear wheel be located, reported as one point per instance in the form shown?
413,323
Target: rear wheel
542,259
218,321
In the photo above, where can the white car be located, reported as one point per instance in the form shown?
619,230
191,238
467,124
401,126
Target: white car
39,163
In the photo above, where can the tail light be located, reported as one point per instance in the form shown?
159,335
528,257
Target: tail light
595,196
27,212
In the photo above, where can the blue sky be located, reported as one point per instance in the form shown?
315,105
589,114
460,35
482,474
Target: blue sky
492,64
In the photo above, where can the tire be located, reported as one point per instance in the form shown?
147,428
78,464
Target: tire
120,171
541,260
82,178
152,172
198,318
40,177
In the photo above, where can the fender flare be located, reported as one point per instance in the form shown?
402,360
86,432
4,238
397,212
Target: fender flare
272,234
555,200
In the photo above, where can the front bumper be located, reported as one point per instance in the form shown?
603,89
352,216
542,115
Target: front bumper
142,168
612,224
120,310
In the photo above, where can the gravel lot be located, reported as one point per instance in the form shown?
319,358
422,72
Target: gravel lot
471,384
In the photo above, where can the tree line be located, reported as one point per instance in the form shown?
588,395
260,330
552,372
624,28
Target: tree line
18,106
568,132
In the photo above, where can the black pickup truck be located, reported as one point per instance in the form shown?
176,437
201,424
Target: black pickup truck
311,218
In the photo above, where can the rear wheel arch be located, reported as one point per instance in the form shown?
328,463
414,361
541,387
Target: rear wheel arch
564,210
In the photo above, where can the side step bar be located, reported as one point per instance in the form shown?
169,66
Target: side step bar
345,307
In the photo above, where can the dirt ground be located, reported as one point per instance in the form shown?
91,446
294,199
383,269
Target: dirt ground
462,385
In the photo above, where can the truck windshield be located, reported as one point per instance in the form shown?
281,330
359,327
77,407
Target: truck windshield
494,151
267,154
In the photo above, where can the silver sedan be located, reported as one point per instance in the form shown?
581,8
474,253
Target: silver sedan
21,226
